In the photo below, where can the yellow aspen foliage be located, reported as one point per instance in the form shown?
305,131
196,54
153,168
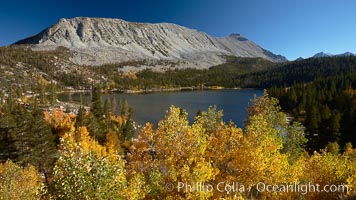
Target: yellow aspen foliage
351,182
269,152
173,153
141,161
117,121
116,132
266,106
223,152
178,160
17,183
60,121
179,154
181,149
87,170
137,188
113,143
326,169
349,151
142,152
259,159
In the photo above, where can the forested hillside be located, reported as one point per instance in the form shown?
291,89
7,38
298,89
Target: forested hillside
303,71
23,69
326,106
320,93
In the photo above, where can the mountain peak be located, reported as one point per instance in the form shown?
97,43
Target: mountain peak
235,35
106,40
322,54
238,37
300,58
347,53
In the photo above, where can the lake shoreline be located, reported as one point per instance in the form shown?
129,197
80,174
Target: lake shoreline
158,90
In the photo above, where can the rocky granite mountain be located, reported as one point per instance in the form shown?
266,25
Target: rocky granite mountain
96,41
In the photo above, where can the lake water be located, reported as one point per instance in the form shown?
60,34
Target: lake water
152,107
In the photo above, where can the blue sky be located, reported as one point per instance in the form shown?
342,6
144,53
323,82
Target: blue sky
292,28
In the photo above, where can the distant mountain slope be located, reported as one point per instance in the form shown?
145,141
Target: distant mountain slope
322,54
96,41
302,71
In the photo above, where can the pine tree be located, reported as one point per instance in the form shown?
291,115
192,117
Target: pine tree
80,117
7,141
33,140
107,108
113,104
97,103
124,107
19,133
41,142
312,124
335,126
127,111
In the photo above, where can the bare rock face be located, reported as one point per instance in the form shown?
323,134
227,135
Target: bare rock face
96,41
